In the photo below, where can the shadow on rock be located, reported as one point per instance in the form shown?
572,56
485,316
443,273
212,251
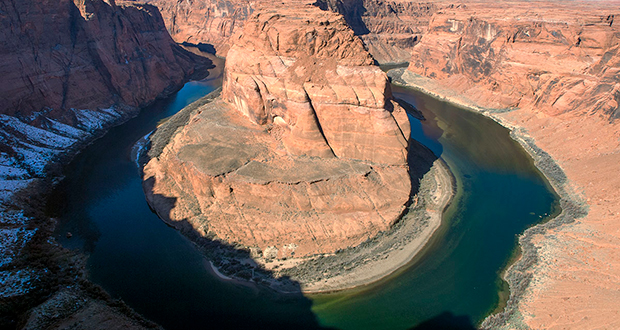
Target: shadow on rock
284,305
446,321
420,157
203,47
353,11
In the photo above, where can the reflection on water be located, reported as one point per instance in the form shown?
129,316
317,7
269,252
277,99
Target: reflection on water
160,274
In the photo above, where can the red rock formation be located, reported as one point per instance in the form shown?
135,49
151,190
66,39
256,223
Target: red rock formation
389,29
92,54
555,59
306,156
317,82
555,66
70,68
211,22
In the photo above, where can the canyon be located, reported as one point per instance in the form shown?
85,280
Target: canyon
550,72
109,61
547,70
71,70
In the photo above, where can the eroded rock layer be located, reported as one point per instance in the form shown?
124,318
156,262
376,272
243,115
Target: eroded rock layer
388,28
211,22
551,72
316,82
71,68
93,54
555,58
302,154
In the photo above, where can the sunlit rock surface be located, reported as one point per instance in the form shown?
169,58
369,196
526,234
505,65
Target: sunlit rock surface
305,152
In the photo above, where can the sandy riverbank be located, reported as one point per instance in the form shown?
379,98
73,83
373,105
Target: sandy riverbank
553,282
385,254
371,261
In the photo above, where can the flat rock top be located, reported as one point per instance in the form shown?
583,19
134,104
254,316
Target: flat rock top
219,140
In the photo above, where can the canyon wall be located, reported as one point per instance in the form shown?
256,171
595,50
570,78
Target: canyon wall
389,29
70,69
554,58
211,22
550,71
305,152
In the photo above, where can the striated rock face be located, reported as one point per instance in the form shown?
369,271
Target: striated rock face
557,58
94,53
553,70
315,80
211,22
70,68
389,28
302,154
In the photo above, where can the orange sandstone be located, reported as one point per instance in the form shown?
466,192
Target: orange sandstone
305,153
554,70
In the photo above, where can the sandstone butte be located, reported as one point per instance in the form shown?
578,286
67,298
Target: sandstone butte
553,71
305,152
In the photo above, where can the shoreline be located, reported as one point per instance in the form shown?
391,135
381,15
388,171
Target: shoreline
402,243
381,256
573,206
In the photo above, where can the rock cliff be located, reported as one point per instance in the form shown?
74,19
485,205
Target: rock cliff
388,28
211,22
70,68
555,59
549,71
305,153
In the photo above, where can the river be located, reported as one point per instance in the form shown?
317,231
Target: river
160,274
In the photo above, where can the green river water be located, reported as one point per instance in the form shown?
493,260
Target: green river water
160,274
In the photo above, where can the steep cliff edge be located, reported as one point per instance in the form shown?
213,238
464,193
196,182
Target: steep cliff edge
211,22
555,59
388,28
550,72
70,70
305,153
